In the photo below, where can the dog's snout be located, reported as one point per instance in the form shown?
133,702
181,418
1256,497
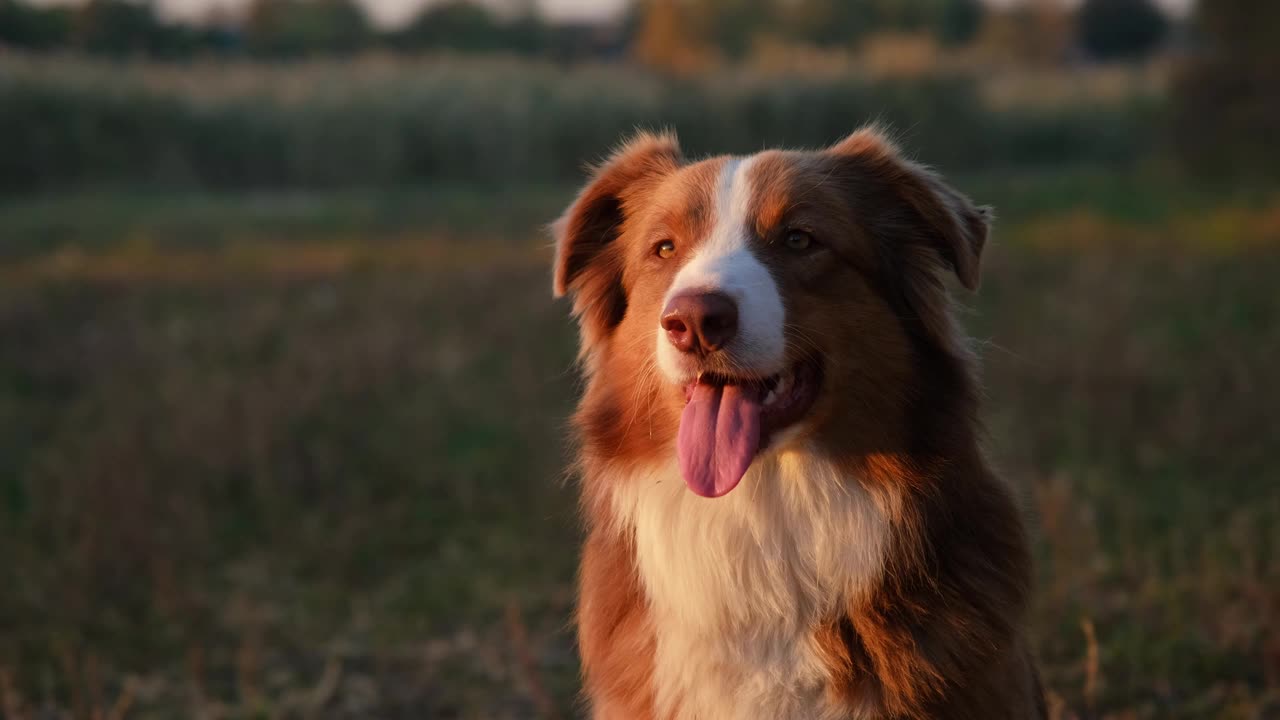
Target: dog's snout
700,321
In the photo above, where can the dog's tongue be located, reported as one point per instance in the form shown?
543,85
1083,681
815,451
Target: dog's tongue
719,435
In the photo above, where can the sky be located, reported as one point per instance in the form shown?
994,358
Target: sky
392,12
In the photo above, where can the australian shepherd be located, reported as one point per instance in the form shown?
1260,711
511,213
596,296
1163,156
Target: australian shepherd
788,510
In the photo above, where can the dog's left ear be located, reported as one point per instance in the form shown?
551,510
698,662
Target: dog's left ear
940,218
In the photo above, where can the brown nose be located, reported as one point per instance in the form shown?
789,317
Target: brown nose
700,321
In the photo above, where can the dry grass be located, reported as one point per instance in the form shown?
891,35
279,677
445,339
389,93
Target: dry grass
298,471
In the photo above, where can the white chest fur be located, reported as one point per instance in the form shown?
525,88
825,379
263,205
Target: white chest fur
737,584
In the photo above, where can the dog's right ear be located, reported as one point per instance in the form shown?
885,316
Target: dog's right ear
594,219
587,265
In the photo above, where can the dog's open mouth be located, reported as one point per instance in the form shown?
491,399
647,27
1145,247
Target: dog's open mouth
727,421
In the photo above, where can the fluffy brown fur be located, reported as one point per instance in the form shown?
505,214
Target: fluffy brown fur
939,634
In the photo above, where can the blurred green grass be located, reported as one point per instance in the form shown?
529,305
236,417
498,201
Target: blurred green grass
391,121
251,443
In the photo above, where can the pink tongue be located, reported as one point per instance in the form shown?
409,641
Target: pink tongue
719,436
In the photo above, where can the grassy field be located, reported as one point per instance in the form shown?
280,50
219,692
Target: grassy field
300,454
391,121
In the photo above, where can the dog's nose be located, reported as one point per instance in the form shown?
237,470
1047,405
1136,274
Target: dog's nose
700,321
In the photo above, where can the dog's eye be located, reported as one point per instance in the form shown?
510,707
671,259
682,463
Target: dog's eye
665,249
798,240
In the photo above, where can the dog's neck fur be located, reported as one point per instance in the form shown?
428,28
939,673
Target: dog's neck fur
737,585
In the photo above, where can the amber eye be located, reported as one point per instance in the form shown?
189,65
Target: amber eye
798,240
665,249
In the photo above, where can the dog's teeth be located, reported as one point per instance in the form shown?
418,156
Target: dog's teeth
771,397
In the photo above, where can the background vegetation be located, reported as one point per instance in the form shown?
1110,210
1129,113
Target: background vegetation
385,121
282,388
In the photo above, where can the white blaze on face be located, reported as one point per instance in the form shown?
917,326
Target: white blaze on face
724,263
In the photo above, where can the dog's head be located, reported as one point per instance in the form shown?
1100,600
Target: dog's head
738,304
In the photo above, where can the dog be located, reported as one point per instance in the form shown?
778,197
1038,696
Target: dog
788,513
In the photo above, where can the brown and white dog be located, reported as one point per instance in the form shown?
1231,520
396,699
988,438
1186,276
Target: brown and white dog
788,512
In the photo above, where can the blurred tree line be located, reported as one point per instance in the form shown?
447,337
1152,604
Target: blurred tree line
671,34
293,28
1222,108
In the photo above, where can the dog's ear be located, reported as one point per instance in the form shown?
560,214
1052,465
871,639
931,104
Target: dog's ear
594,219
588,266
921,210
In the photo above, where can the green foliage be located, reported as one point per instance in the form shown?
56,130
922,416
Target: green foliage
115,27
501,122
732,25
464,26
294,28
455,25
280,29
960,21
1121,29
291,28
23,25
